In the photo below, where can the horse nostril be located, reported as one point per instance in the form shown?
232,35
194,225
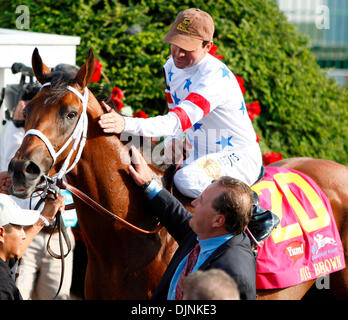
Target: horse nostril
23,169
32,169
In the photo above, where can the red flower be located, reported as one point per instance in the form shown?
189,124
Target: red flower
213,50
257,138
270,157
254,110
241,83
97,71
116,96
117,92
117,102
140,114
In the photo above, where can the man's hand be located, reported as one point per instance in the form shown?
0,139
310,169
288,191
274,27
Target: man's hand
111,122
5,182
140,171
52,206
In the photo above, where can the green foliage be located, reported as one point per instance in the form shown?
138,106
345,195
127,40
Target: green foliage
303,112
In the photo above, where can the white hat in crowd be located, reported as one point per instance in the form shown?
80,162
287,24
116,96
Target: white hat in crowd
11,213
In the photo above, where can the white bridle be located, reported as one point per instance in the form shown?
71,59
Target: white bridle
79,135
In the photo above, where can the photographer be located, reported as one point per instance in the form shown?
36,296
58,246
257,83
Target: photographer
13,132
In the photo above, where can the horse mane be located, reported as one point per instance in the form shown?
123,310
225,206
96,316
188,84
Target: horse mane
59,81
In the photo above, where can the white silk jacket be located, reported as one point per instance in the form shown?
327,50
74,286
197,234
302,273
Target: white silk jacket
206,104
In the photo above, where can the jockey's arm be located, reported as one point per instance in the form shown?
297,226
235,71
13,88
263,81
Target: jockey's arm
153,127
167,125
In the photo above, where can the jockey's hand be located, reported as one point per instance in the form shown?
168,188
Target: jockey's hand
139,170
111,121
5,182
52,206
175,150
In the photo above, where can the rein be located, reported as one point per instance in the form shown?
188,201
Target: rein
97,207
59,225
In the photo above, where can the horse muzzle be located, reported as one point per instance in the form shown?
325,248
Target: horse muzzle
26,175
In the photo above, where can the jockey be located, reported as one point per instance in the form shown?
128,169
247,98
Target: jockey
206,110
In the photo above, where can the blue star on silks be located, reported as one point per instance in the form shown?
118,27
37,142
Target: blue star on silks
225,72
187,84
242,108
176,99
197,126
170,74
225,142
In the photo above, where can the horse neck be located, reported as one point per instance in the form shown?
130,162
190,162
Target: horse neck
102,173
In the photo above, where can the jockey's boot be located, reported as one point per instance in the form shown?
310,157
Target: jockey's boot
262,222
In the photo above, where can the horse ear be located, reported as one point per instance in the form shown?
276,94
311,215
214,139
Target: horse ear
39,68
84,75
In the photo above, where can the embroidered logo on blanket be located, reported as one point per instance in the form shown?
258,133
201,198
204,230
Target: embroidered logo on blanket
306,244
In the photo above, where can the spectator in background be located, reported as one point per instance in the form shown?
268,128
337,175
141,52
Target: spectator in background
213,284
13,131
14,239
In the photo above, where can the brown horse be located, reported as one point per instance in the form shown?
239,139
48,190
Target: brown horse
122,264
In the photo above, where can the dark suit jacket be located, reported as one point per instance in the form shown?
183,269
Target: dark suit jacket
234,256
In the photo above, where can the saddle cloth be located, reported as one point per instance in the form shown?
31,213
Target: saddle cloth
306,245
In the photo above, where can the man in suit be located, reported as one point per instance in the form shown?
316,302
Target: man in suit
211,237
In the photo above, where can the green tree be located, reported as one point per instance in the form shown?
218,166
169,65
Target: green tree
304,113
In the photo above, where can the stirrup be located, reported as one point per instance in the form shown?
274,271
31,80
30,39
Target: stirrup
262,222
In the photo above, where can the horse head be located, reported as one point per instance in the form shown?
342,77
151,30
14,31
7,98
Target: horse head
51,119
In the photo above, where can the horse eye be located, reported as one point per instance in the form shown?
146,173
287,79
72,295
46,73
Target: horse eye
71,115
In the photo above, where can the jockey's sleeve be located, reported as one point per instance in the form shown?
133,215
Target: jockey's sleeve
155,127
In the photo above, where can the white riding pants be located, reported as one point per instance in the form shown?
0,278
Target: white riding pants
194,177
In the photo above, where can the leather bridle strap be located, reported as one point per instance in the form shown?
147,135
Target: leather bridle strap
96,206
59,225
61,230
